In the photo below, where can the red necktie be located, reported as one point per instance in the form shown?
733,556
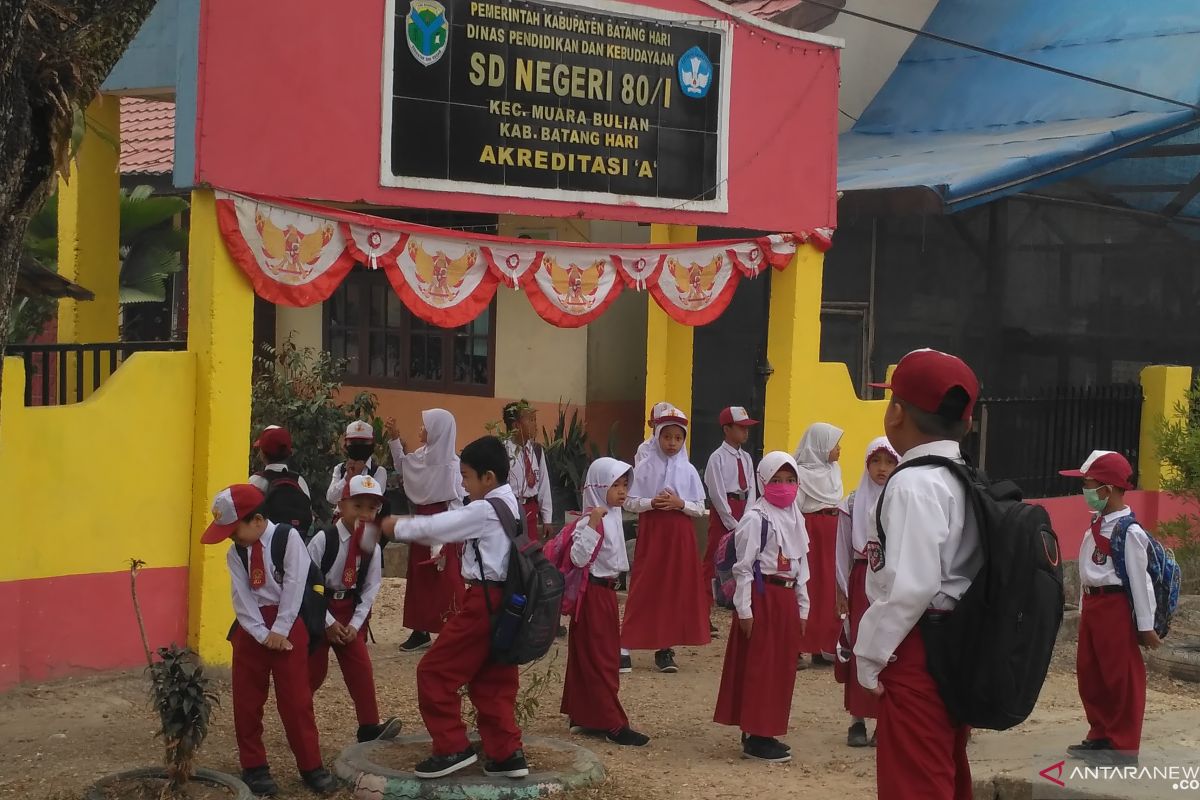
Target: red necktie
1103,545
350,571
741,474
530,478
258,571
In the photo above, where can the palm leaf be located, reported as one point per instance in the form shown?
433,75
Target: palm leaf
140,212
144,274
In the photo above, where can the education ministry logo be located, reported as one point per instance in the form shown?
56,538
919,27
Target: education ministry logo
695,73
427,29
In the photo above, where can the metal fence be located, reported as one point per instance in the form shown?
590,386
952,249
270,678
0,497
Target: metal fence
1029,439
58,374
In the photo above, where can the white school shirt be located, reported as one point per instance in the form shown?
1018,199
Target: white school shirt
263,484
845,553
333,578
248,601
541,477
337,485
639,505
1136,562
746,540
721,479
932,553
475,522
613,558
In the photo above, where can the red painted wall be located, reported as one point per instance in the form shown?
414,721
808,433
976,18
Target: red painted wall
1070,515
289,104
51,628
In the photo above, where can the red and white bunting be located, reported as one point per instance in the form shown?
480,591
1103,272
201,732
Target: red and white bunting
297,253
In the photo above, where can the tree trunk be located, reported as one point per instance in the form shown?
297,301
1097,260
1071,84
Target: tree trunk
54,54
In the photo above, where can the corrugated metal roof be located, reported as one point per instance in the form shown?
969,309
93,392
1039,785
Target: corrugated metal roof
147,136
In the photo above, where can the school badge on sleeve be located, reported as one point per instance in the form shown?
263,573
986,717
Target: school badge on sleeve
1099,557
875,559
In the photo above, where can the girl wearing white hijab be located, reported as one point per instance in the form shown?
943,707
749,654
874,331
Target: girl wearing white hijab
432,482
647,447
820,480
598,543
854,522
668,602
771,600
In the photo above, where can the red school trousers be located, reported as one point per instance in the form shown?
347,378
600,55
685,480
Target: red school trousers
921,754
533,518
354,661
460,656
1110,671
254,667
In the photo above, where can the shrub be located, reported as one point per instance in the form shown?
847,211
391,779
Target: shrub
1178,441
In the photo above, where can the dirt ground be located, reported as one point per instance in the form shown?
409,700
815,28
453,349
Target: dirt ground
57,738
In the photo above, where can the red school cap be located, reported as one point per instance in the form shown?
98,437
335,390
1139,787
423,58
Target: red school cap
229,507
923,377
1105,467
736,415
274,441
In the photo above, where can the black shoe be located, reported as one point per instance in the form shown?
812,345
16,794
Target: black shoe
320,781
260,781
857,735
1108,757
772,740
419,640
626,664
819,660
441,766
515,766
384,731
562,631
761,748
1089,744
628,737
664,661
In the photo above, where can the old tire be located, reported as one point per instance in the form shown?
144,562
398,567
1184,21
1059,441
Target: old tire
100,789
1179,660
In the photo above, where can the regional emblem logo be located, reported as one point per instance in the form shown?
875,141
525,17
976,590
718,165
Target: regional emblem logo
875,556
427,30
695,73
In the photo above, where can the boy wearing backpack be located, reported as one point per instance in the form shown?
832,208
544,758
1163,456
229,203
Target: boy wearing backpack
288,498
270,642
462,654
352,579
1109,666
729,478
359,445
929,556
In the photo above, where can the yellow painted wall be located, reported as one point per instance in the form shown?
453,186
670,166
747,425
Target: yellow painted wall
92,484
1164,388
803,390
669,350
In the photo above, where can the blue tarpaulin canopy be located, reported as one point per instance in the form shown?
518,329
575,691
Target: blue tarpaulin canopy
953,128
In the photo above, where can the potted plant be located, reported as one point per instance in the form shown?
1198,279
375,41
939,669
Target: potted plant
179,691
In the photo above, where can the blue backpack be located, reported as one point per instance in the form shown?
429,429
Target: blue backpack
1163,569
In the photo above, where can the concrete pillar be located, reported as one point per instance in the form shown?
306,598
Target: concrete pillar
668,343
1164,389
793,349
220,334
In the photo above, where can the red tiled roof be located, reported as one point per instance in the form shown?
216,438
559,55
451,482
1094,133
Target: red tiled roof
147,136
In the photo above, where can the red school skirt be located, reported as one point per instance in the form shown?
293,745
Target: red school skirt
716,532
824,625
431,596
668,602
859,702
592,681
759,674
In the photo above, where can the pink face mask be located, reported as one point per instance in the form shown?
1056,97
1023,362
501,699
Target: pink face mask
780,495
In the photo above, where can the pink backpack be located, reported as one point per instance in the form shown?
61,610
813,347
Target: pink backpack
575,579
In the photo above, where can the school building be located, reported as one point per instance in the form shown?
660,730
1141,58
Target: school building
604,205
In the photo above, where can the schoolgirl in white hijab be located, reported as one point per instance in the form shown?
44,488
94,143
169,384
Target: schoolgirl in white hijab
820,474
820,481
668,601
592,680
647,447
771,607
432,481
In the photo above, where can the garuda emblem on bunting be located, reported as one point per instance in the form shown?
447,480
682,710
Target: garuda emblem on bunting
440,277
696,285
289,255
443,280
570,293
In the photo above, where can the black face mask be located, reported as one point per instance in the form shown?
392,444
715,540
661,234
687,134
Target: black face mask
360,451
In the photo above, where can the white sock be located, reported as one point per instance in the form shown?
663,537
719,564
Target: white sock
624,652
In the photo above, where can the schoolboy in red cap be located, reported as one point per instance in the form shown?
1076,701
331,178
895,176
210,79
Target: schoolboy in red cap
359,446
352,580
729,479
932,553
288,497
269,641
1108,664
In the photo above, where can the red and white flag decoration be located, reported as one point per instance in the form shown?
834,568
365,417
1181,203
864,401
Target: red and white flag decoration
297,254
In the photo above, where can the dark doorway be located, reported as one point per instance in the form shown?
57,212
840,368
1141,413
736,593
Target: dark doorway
264,331
729,367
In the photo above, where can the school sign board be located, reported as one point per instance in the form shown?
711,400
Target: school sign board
556,100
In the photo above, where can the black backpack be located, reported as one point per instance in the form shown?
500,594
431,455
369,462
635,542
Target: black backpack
286,503
313,604
532,576
333,543
990,654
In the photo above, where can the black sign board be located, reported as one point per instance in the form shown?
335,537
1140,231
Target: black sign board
556,101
